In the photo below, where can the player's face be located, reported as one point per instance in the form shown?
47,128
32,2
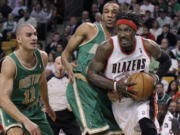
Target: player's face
59,68
28,38
126,36
110,11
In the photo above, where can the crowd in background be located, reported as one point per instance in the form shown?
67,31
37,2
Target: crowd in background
161,23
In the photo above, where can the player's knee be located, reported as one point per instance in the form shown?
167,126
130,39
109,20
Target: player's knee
147,127
15,131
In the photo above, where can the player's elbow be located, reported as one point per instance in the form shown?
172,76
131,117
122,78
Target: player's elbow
90,76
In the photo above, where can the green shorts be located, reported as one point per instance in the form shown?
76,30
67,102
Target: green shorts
39,118
92,108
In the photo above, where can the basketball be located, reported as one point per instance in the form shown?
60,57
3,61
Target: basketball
144,85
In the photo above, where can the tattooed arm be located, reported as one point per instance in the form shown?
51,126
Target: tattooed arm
98,64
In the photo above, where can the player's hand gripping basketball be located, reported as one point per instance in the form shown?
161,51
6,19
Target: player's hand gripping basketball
125,87
32,128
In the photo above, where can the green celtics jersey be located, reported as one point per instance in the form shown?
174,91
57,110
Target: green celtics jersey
86,51
26,92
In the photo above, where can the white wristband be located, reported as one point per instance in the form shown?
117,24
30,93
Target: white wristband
157,78
115,87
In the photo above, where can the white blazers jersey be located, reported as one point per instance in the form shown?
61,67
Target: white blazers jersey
120,63
128,112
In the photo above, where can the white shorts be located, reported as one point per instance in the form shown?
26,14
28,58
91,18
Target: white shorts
128,112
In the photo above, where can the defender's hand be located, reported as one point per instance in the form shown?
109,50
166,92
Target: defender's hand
32,128
70,71
50,113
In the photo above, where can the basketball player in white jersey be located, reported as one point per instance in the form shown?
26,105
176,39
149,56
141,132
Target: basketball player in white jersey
122,55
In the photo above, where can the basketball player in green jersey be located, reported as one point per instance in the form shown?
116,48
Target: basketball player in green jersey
22,82
91,106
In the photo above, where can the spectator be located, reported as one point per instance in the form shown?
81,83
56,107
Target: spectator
52,45
173,70
2,19
176,50
164,44
74,24
42,19
84,16
124,7
10,26
59,48
28,19
170,11
173,89
148,19
175,25
12,3
147,34
132,5
163,4
172,107
94,10
47,13
156,11
163,97
156,30
168,124
50,69
20,6
177,115
124,1
67,31
136,8
163,18
4,8
176,5
147,6
98,18
65,119
59,8
167,34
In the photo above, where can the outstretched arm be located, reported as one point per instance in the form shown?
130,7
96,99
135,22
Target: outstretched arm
78,38
98,64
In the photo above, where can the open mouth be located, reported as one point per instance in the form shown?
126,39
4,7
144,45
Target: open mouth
109,21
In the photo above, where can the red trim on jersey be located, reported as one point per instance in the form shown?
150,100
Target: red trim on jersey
128,53
111,41
110,79
155,106
145,49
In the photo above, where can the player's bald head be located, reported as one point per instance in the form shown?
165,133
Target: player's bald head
21,27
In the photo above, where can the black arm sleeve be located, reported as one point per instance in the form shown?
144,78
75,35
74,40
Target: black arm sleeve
164,64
